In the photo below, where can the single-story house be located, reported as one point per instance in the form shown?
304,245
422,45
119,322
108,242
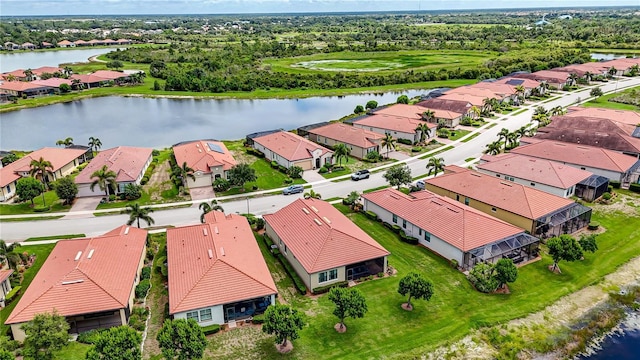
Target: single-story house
23,88
540,213
546,175
16,75
399,127
450,229
110,75
554,78
451,118
46,69
66,43
11,46
27,46
629,121
359,141
502,90
216,272
456,106
91,282
52,82
89,81
46,45
64,161
610,164
209,160
5,285
123,41
95,42
527,84
81,43
288,149
322,244
479,92
475,100
129,164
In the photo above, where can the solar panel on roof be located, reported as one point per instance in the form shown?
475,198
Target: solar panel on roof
636,132
215,147
515,82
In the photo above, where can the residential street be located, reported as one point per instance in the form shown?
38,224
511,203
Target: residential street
84,222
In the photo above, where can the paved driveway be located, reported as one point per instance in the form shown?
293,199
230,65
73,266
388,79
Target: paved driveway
84,204
312,176
398,155
202,193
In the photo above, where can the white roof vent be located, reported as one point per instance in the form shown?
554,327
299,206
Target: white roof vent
317,221
72,282
216,230
222,251
210,253
305,211
204,231
126,230
314,208
326,220
90,253
78,255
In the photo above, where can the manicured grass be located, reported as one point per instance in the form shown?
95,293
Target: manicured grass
268,178
518,112
457,134
37,218
73,351
476,134
145,199
41,252
469,159
56,237
603,101
437,152
51,199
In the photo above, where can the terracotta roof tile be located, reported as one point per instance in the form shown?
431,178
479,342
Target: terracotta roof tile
526,83
349,135
109,74
457,224
215,263
290,146
321,237
4,274
477,91
512,197
101,279
618,116
58,157
201,156
473,100
392,123
53,82
21,86
127,162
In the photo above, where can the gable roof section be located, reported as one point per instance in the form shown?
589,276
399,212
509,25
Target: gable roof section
109,74
541,171
21,86
477,91
475,100
290,146
321,237
59,157
127,162
620,117
215,263
53,82
201,157
349,135
457,224
4,274
85,276
457,106
392,123
526,83
577,154
512,197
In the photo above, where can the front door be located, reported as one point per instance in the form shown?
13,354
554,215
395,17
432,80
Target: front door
349,274
231,313
317,163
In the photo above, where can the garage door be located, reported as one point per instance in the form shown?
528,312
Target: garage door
84,190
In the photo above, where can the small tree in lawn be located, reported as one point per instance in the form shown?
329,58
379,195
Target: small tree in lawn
45,334
588,243
66,189
505,271
398,175
28,188
359,109
241,174
371,104
182,339
283,322
295,172
349,303
121,342
596,92
563,247
416,286
482,277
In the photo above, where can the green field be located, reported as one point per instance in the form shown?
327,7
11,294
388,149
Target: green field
603,101
381,61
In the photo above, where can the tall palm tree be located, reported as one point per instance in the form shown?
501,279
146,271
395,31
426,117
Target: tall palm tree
522,132
557,110
183,172
104,178
541,119
493,148
95,143
311,194
429,115
42,168
435,165
341,151
511,140
475,111
66,142
612,71
540,110
423,128
209,207
573,79
487,105
67,71
587,76
504,132
388,142
29,74
137,213
520,91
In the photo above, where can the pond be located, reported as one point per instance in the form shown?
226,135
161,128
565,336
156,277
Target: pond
608,56
163,122
10,61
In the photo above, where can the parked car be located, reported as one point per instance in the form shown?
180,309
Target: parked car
360,174
420,184
293,189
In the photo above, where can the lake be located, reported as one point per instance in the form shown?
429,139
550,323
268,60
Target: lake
620,345
10,61
608,56
163,122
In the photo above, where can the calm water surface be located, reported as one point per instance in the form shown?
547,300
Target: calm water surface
10,61
622,345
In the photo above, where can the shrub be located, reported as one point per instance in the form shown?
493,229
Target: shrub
155,152
145,273
481,276
288,181
259,224
405,141
300,286
258,319
221,184
112,197
373,155
594,225
416,149
267,240
387,225
282,169
161,260
12,294
132,191
408,239
396,229
145,180
90,337
211,329
371,215
164,270
326,288
635,188
453,263
380,274
274,164
255,152
323,170
295,172
338,168
142,288
606,196
615,184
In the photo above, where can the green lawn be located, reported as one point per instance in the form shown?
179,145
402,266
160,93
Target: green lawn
458,133
603,101
268,178
73,351
51,199
56,237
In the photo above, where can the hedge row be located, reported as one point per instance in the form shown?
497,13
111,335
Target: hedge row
12,294
142,288
615,184
405,141
258,319
635,188
300,286
371,215
255,152
326,288
90,337
211,329
408,239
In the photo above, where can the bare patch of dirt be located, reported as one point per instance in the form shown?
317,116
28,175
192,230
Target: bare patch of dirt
407,306
244,342
340,328
159,181
623,203
283,349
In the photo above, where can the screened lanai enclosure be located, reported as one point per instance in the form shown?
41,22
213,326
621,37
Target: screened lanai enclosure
592,187
519,248
569,219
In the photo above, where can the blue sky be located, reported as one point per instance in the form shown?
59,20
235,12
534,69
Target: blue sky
124,7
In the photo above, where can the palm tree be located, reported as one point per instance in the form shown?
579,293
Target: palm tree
29,74
312,195
67,71
41,168
540,110
209,207
520,91
557,110
503,134
542,119
104,178
612,71
95,143
435,165
522,132
486,105
66,142
475,111
429,115
389,142
587,76
76,84
183,172
341,151
573,79
493,148
512,139
136,213
423,128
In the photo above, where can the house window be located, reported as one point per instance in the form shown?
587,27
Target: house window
205,315
533,184
498,175
404,223
395,218
192,315
285,249
466,201
327,275
583,168
8,189
493,209
457,197
419,231
427,236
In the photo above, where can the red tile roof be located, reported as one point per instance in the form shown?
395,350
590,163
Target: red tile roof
59,157
47,69
556,77
65,42
53,82
515,198
458,106
21,86
127,162
392,123
477,91
348,134
321,237
17,73
88,79
4,274
473,100
619,116
402,110
459,225
527,83
201,157
290,146
85,276
109,75
215,263
577,154
540,171
502,89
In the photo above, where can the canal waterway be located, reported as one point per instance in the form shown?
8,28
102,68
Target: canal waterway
161,122
10,61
